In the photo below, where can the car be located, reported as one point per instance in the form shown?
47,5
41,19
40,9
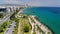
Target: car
14,26
12,30
7,30
9,26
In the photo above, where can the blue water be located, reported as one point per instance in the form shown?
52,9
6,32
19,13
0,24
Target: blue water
50,16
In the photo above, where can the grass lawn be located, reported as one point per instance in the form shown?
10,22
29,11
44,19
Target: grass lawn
48,32
24,25
16,31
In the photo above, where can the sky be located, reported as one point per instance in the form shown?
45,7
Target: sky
33,2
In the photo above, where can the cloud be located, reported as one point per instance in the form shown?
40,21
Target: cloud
11,1
33,2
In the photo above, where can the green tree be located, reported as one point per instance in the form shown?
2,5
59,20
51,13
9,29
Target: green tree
1,29
26,29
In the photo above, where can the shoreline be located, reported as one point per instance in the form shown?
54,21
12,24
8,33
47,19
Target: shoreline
21,10
43,26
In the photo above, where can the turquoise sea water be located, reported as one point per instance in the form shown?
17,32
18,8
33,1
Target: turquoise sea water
50,16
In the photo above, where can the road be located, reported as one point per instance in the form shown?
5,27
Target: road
21,11
19,28
11,28
6,18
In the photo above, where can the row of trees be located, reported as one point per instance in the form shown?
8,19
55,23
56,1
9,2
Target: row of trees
1,15
3,26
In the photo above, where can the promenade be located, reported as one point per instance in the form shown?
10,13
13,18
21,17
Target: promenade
43,27
19,29
32,24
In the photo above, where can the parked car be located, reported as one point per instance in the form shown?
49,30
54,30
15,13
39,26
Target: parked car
9,26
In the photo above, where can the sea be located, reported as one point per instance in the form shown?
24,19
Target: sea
49,16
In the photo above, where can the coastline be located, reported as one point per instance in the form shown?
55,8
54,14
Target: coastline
21,10
43,27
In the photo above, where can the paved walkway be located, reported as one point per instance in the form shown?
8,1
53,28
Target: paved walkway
43,27
32,24
34,27
19,28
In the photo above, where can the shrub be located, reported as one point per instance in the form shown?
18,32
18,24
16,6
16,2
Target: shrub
26,29
34,32
1,29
